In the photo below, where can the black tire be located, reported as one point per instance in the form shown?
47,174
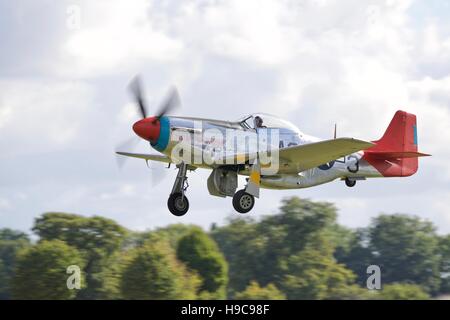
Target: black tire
178,204
350,183
243,202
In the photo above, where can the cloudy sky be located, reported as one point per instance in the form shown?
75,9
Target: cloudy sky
64,67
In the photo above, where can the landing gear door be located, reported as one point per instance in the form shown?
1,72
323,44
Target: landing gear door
222,183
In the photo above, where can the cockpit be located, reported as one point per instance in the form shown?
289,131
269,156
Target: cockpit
263,120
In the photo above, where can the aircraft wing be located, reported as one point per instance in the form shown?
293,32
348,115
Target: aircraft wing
307,156
153,157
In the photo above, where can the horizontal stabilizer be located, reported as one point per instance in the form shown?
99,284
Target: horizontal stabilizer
395,154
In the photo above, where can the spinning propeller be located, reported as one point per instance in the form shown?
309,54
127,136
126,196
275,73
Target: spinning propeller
148,128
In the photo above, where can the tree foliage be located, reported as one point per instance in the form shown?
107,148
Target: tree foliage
243,248
11,242
406,249
41,271
444,252
268,251
97,238
153,272
201,254
255,292
173,233
299,253
93,235
402,291
352,250
314,274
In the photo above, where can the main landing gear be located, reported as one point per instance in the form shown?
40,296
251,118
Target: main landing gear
243,202
178,203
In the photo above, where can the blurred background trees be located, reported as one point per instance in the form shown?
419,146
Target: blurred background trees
292,250
41,271
11,242
255,292
406,249
97,238
201,254
403,291
299,253
153,272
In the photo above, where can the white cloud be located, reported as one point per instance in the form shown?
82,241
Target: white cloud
5,114
128,113
116,36
315,62
127,190
39,115
4,204
439,212
435,48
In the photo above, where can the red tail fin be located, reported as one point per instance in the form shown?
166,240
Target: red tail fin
395,154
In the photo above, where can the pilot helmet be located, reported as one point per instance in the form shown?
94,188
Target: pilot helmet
258,122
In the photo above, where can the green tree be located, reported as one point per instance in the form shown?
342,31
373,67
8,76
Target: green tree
171,233
86,233
41,271
444,268
153,272
4,281
402,291
298,222
201,254
260,250
243,248
314,274
255,292
11,242
406,249
97,238
352,250
351,292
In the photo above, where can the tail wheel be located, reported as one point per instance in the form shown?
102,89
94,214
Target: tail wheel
243,202
350,183
178,204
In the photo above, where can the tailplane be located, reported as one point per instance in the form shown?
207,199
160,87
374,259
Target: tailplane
396,153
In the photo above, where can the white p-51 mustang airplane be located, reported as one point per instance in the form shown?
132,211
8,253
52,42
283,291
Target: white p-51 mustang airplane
272,152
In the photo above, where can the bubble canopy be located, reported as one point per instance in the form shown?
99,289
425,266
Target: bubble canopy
268,121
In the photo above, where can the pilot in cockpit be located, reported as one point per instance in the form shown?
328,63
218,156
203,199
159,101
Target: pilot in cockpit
258,121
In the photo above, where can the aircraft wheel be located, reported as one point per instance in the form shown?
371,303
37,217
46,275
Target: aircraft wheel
177,204
350,183
243,202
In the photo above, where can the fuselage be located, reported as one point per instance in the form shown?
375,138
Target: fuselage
209,144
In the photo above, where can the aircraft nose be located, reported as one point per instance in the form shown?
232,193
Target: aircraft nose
147,129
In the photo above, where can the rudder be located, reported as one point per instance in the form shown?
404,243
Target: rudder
396,153
401,134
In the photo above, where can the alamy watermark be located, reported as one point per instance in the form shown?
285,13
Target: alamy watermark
73,21
231,147
374,280
74,280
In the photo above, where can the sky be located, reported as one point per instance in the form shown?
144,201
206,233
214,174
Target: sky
64,106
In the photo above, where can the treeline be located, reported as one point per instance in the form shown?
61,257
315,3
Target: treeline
299,253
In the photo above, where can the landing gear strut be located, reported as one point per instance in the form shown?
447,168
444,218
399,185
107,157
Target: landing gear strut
243,202
350,183
178,203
